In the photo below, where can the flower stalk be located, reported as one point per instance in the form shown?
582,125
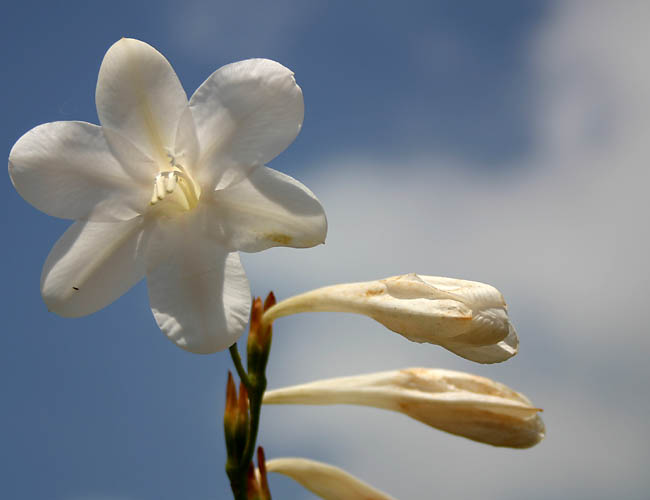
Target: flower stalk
242,414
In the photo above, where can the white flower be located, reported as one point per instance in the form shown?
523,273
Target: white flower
465,317
170,190
460,403
326,481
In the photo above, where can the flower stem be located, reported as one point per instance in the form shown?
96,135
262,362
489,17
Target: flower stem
236,359
255,398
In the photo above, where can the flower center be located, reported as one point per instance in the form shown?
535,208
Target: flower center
174,191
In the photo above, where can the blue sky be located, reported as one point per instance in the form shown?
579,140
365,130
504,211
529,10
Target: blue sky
497,141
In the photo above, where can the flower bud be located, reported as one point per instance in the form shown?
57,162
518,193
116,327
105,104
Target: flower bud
270,301
257,486
262,477
255,342
459,403
230,415
326,481
259,338
465,317
252,484
243,418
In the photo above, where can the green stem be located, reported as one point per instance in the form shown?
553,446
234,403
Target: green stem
236,359
255,385
255,398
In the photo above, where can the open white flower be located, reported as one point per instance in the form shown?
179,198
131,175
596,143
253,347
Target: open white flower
169,189
466,317
460,403
324,480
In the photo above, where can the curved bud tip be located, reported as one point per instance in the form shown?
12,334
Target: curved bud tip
263,479
256,316
231,397
270,301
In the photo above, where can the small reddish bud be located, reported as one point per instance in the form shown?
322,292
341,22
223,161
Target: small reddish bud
252,485
259,340
240,426
231,397
242,404
230,416
254,338
261,465
256,315
270,301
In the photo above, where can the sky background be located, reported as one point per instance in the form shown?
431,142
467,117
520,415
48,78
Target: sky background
503,142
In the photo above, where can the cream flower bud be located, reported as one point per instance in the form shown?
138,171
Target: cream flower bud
465,317
326,481
466,405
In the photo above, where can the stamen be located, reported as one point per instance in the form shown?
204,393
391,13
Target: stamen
171,182
160,188
189,195
177,187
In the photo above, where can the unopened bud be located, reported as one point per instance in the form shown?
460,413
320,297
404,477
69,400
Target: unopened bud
465,317
257,484
241,422
261,467
466,405
230,415
270,301
259,338
252,485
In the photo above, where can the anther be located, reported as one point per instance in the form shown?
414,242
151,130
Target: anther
170,183
160,188
177,188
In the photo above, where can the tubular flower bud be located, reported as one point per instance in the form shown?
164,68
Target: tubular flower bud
242,413
270,301
260,335
326,481
459,403
230,415
252,484
257,486
466,317
255,346
263,480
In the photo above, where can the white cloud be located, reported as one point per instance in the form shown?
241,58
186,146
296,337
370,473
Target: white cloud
564,235
209,30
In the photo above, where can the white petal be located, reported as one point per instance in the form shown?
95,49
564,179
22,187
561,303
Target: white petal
187,143
200,296
487,354
246,113
91,265
267,209
139,96
66,169
326,481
